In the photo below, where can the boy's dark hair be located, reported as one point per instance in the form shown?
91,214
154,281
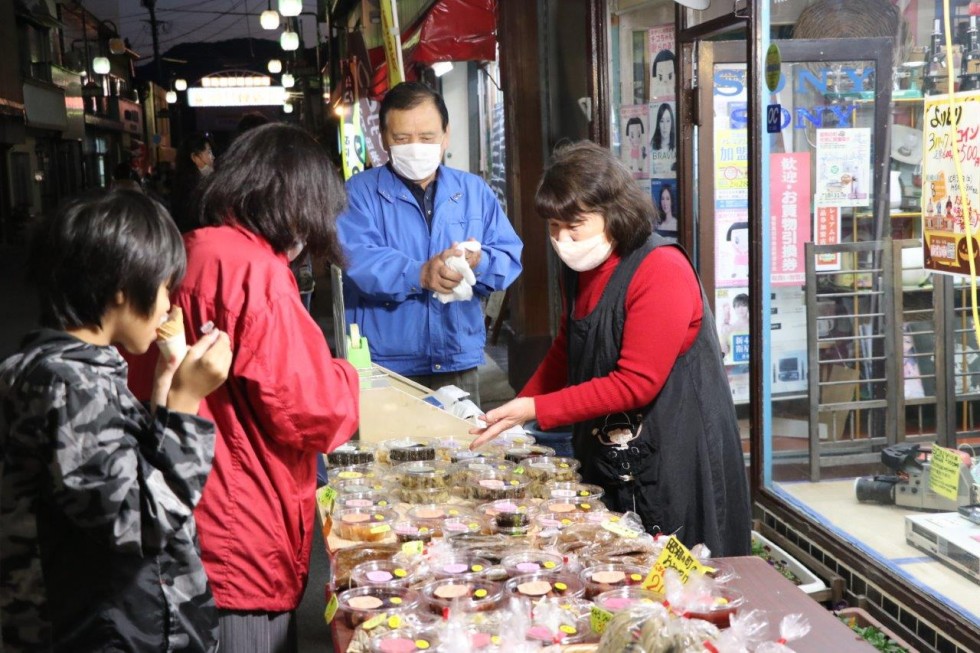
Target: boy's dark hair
409,95
98,245
278,182
193,144
740,299
250,120
662,57
634,121
585,178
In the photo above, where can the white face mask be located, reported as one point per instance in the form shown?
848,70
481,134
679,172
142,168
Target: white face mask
206,170
582,255
416,161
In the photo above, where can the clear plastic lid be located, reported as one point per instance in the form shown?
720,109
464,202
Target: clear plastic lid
353,472
605,577
570,490
624,597
382,572
467,594
461,565
550,468
366,499
542,584
357,485
351,453
718,607
518,453
406,640
362,603
423,474
532,561
491,483
407,449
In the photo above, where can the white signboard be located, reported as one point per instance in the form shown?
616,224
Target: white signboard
236,96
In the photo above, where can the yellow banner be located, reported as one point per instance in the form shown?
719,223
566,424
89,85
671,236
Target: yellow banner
352,141
391,34
944,474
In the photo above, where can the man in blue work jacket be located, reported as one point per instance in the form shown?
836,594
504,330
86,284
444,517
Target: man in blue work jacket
405,220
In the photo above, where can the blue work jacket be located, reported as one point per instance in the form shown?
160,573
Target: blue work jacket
387,240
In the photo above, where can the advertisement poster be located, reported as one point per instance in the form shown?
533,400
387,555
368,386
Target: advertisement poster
731,247
664,195
826,231
663,63
789,202
635,120
843,166
663,140
732,309
731,208
943,214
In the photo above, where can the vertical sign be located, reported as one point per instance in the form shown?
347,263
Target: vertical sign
827,232
391,33
844,167
943,214
789,201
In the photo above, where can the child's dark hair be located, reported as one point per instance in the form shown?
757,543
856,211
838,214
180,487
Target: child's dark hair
634,121
735,226
98,245
741,299
278,182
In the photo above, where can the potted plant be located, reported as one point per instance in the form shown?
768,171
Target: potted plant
873,631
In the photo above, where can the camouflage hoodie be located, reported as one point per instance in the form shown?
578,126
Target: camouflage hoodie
98,550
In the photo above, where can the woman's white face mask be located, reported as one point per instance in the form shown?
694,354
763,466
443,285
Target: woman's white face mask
582,255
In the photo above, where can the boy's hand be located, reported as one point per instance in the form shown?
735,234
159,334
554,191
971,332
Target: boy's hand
203,369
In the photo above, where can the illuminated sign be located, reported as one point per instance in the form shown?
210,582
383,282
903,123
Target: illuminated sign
232,96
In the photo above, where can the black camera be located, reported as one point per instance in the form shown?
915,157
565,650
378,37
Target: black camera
876,489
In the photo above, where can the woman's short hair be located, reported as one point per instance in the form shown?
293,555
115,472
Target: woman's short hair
278,182
98,245
583,177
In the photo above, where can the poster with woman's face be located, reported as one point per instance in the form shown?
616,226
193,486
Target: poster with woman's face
664,194
663,141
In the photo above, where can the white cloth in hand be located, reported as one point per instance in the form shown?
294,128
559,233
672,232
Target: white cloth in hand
464,289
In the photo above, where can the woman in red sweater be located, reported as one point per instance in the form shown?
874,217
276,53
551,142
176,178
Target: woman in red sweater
636,366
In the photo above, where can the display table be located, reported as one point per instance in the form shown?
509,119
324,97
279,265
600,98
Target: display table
764,589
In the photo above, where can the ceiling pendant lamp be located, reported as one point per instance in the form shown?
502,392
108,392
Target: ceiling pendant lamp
290,7
289,41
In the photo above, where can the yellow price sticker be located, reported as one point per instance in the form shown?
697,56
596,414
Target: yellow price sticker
325,497
374,621
599,619
613,526
380,528
412,548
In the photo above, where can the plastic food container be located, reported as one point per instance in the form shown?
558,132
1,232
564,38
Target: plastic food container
543,469
357,485
516,439
492,484
459,565
403,450
723,572
518,453
508,517
571,507
364,524
352,472
449,448
358,605
407,530
423,475
406,640
463,525
368,499
464,469
606,577
619,599
351,453
543,584
468,594
571,491
718,609
434,514
385,573
531,562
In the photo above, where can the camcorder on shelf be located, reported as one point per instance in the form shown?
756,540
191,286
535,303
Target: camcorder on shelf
909,486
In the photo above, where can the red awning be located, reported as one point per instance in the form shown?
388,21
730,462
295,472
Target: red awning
452,30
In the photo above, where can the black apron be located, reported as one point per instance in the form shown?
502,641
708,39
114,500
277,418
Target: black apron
685,473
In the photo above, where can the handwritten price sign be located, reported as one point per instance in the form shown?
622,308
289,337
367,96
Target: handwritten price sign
674,556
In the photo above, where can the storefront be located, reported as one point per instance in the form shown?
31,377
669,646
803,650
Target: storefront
801,152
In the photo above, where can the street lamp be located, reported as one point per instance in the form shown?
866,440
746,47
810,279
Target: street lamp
287,107
275,66
288,81
171,97
290,7
180,84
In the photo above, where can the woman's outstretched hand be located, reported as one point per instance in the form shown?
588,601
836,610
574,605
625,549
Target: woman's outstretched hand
514,413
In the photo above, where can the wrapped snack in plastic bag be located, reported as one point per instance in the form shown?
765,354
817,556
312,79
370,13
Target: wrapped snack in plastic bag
702,598
744,633
792,627
405,623
634,628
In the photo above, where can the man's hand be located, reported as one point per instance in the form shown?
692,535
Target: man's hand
474,255
513,413
436,276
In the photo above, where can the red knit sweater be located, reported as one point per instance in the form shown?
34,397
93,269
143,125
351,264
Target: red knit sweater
663,317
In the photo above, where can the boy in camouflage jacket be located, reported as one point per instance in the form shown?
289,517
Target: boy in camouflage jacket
98,546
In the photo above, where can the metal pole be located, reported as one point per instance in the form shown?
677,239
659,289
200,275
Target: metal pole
151,6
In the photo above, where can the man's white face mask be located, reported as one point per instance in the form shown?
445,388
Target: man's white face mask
416,161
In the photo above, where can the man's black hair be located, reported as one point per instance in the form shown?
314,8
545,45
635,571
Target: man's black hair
409,95
98,245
